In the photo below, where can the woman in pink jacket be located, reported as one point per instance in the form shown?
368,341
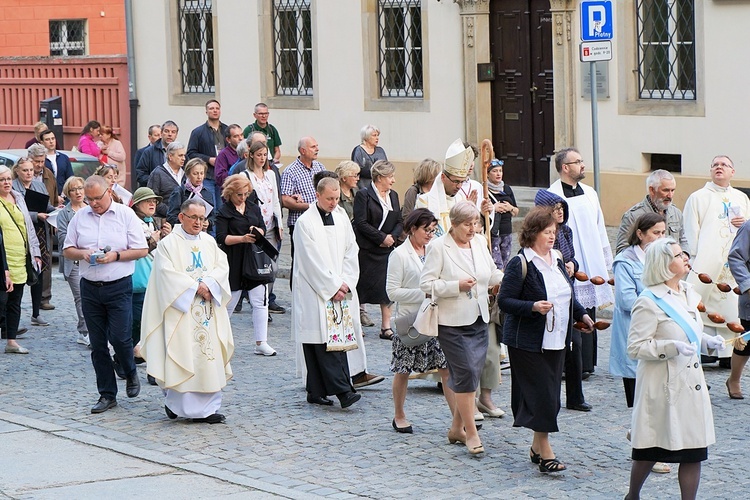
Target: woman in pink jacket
89,136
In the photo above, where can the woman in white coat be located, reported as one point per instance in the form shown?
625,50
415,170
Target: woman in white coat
665,336
405,266
458,271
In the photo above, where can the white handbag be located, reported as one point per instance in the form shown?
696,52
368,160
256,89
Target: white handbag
420,326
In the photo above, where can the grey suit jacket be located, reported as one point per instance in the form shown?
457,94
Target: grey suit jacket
739,264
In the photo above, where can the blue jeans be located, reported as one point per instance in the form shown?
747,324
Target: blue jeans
108,312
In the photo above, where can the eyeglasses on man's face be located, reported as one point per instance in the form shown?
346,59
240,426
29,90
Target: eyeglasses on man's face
454,181
197,218
577,162
97,198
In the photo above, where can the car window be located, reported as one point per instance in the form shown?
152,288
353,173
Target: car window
84,168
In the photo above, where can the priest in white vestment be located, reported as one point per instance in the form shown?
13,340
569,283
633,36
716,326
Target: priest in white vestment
324,297
712,216
594,256
186,336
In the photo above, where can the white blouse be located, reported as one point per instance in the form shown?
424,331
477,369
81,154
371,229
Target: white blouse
557,286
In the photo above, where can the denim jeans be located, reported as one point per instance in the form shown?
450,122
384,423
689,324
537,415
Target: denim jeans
108,312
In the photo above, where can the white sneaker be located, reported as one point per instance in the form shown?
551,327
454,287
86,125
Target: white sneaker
264,349
83,340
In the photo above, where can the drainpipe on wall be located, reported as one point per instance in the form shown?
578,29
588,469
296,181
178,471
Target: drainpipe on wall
131,91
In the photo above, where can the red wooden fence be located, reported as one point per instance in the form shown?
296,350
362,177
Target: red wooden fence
92,88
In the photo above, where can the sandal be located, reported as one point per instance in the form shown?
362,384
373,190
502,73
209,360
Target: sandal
386,336
550,465
534,456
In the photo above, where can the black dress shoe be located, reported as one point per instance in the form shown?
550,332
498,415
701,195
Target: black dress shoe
403,430
319,400
151,380
103,405
118,367
580,407
172,415
216,418
133,385
348,398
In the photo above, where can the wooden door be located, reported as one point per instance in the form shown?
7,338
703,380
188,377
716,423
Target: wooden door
522,93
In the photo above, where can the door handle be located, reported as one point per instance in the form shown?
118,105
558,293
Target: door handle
533,90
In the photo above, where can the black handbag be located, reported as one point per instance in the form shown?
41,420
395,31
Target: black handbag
257,266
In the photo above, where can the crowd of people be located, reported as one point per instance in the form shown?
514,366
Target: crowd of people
157,274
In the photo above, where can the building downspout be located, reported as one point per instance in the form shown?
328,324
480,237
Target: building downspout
133,97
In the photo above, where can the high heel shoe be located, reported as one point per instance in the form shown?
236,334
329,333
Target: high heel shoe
534,456
476,450
453,439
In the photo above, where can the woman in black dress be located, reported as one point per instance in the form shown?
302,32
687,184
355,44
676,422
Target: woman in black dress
538,299
234,224
377,225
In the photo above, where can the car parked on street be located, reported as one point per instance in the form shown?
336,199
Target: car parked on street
84,165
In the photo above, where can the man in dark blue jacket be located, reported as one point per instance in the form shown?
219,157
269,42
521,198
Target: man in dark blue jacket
156,154
205,143
62,168
154,134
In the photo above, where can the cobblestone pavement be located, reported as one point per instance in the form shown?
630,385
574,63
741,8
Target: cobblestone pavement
276,444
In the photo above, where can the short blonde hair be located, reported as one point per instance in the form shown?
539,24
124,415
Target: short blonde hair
233,184
381,168
426,172
347,168
193,163
69,185
17,165
463,211
656,266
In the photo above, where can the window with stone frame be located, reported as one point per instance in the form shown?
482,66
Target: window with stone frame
666,49
67,37
292,42
196,38
400,48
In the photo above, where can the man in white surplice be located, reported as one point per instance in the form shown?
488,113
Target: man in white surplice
326,271
187,339
712,216
594,256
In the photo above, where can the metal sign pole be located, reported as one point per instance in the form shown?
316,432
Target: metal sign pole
595,125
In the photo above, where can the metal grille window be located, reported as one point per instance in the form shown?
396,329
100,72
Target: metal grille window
292,37
67,37
196,46
400,39
666,49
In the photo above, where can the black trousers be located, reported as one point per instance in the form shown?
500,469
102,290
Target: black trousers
12,308
574,371
588,346
327,371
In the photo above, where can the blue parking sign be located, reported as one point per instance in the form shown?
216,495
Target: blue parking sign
596,20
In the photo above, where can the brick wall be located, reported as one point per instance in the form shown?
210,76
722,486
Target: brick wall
24,25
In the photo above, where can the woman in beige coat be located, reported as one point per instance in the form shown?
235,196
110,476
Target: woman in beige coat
458,270
666,337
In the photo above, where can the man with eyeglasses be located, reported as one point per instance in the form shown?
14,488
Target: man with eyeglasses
261,113
660,186
446,190
106,238
713,215
594,256
187,341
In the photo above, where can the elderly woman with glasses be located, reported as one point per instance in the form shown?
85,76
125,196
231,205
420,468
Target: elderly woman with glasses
24,181
169,176
22,249
368,153
377,226
73,191
235,223
666,337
